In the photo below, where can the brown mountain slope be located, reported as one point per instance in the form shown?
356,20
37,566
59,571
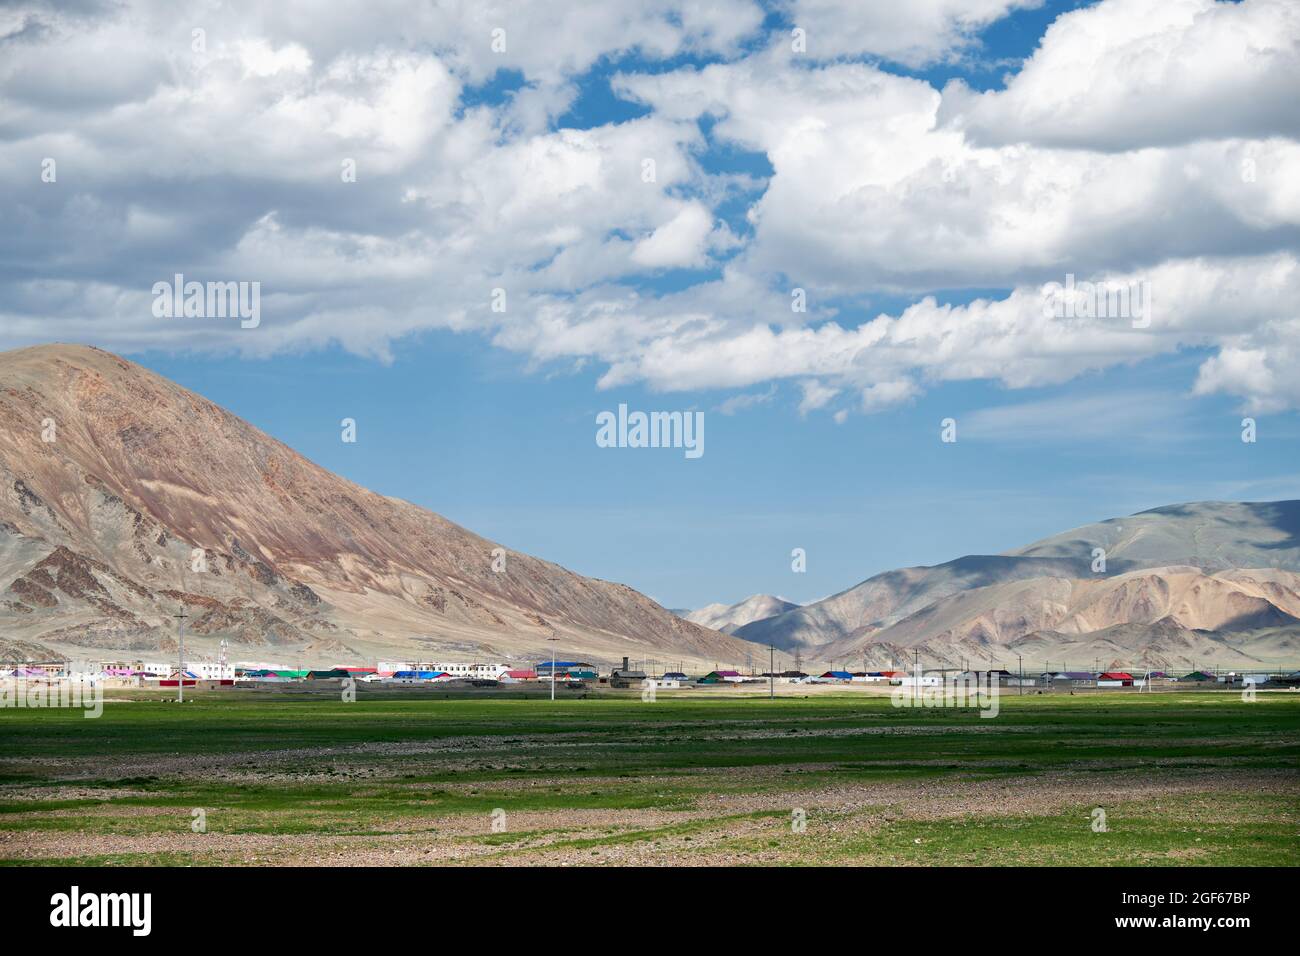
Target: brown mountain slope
111,477
1220,589
1162,616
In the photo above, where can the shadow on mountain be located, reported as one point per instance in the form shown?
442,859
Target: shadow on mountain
1285,516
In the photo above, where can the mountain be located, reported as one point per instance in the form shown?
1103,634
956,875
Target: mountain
1208,582
730,617
124,498
1212,535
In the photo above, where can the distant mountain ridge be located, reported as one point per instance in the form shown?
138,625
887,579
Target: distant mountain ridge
1207,581
124,498
731,617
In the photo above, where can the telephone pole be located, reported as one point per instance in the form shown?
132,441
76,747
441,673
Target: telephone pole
552,638
180,671
916,675
771,672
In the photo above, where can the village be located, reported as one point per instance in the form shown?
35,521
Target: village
583,675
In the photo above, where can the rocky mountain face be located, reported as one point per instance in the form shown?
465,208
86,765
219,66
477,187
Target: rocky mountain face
1202,583
125,498
731,617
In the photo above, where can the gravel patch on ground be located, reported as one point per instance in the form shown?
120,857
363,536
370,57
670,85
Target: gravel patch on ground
701,835
28,792
357,760
1041,795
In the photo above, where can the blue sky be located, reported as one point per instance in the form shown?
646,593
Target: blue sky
469,432
920,172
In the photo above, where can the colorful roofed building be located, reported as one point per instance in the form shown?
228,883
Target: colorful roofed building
721,677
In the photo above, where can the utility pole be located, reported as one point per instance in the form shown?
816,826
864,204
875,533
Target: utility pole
771,672
180,673
552,639
1021,663
916,674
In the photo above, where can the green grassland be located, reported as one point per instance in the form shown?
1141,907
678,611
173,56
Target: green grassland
1182,778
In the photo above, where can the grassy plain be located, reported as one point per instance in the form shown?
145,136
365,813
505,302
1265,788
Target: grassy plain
237,778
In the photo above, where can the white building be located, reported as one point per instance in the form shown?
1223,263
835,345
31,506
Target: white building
928,680
470,671
203,670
